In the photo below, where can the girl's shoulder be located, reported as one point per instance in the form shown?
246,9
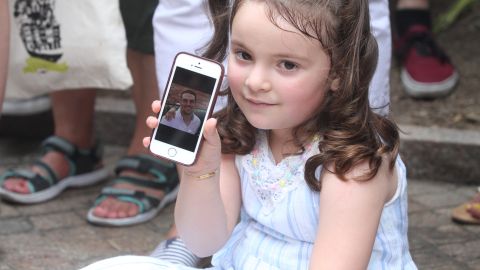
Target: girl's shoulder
383,185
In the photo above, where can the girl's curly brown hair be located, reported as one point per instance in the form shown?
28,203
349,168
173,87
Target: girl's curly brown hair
351,132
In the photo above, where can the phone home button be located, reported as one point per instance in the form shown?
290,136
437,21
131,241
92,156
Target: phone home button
172,152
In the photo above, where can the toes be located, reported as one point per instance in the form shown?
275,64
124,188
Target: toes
104,208
132,209
113,211
474,210
17,186
113,208
100,210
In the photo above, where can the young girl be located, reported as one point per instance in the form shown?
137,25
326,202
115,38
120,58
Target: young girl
296,172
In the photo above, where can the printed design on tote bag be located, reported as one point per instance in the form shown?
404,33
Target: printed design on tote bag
40,34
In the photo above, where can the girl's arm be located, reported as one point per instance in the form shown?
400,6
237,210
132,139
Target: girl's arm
4,44
207,210
349,217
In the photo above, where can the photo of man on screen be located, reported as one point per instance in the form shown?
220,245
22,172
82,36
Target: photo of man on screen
184,117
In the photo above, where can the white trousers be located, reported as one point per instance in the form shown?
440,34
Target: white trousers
135,263
379,92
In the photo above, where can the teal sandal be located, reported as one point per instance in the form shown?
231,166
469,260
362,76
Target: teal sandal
166,179
84,169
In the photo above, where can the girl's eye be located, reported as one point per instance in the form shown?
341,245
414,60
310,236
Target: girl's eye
287,65
243,55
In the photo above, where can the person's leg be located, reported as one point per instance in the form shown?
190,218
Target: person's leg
379,91
143,184
73,112
426,69
417,12
413,4
144,91
4,46
73,117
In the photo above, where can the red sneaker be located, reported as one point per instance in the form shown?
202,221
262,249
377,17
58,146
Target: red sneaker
426,69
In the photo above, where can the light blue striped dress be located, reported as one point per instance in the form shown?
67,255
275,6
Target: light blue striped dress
279,219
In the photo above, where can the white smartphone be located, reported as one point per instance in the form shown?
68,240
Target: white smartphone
188,101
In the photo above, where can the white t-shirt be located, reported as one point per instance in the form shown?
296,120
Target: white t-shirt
178,123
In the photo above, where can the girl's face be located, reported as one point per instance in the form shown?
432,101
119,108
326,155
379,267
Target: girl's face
277,76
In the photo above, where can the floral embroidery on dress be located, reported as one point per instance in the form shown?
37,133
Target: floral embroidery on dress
271,182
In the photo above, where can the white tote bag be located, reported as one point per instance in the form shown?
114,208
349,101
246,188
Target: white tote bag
65,44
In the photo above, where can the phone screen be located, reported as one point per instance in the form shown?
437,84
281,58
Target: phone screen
185,109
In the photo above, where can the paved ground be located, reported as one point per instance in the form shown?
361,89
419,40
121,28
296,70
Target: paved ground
55,235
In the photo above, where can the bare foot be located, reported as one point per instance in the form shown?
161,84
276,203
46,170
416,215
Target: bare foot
114,208
57,162
473,207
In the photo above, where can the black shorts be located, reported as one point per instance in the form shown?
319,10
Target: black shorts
137,17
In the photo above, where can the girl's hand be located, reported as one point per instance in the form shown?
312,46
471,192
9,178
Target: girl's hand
209,157
152,121
210,152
